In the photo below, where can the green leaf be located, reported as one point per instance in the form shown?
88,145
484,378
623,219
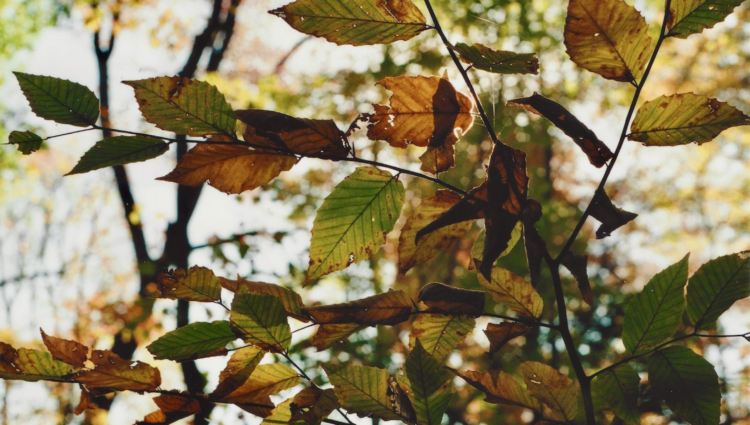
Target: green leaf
282,414
30,365
262,320
27,141
354,219
497,61
355,22
683,118
687,382
119,150
688,17
291,300
716,286
654,314
364,391
184,106
440,333
514,292
618,388
194,341
430,386
552,388
59,100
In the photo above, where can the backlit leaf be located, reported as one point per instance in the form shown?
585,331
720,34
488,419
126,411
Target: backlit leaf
59,100
470,207
513,291
333,333
261,320
365,391
31,365
446,299
611,217
388,308
618,388
411,254
119,150
608,37
27,141
430,386
114,373
239,368
291,300
693,16
500,333
597,152
687,382
577,265
716,286
184,106
552,388
194,341
440,333
654,314
478,247
354,219
266,380
313,404
355,22
281,414
497,61
500,388
683,118
70,352
533,242
173,407
197,284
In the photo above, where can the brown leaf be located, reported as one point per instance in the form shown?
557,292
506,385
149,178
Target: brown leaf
389,308
291,300
266,380
327,335
449,300
313,404
173,408
611,217
500,388
576,265
470,207
85,403
114,373
594,148
229,168
196,284
552,388
500,334
535,245
239,368
300,136
70,352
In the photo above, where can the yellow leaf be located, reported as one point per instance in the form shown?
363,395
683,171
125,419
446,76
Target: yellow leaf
551,387
500,388
513,291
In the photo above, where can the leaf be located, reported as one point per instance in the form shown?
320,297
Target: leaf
352,22
70,352
425,112
716,286
364,391
446,299
611,217
291,300
330,334
576,265
266,380
197,284
497,61
478,247
686,17
389,308
552,388
119,150
239,368
683,118
312,405
618,388
439,334
85,402
113,373
513,291
229,168
172,408
687,382
281,414
31,365
27,141
59,100
597,152
533,242
500,388
354,220
470,207
654,314
261,320
194,341
430,385
184,106
410,253
500,334
607,37
299,136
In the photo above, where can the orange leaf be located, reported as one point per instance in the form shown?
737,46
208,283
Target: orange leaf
85,402
500,388
500,334
173,408
114,373
389,308
70,352
330,334
313,404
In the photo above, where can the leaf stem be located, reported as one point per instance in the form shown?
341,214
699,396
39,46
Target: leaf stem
69,133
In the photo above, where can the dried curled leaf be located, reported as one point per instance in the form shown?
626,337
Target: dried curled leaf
500,334
446,299
70,352
112,373
172,407
497,61
576,265
470,207
388,308
611,217
313,404
333,333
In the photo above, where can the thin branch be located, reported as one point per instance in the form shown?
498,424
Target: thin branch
631,358
69,133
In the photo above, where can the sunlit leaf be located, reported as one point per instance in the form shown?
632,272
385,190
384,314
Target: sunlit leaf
608,37
184,106
500,334
70,352
429,384
500,388
194,341
611,217
716,286
440,333
27,141
333,333
411,254
683,118
365,391
59,100
313,404
687,382
497,61
31,365
261,320
119,150
239,368
478,247
552,388
597,152
470,207
196,284
281,414
513,291
358,23
388,308
266,380
654,314
354,219
85,402
114,373
577,265
618,388
446,299
173,407
686,17
291,300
